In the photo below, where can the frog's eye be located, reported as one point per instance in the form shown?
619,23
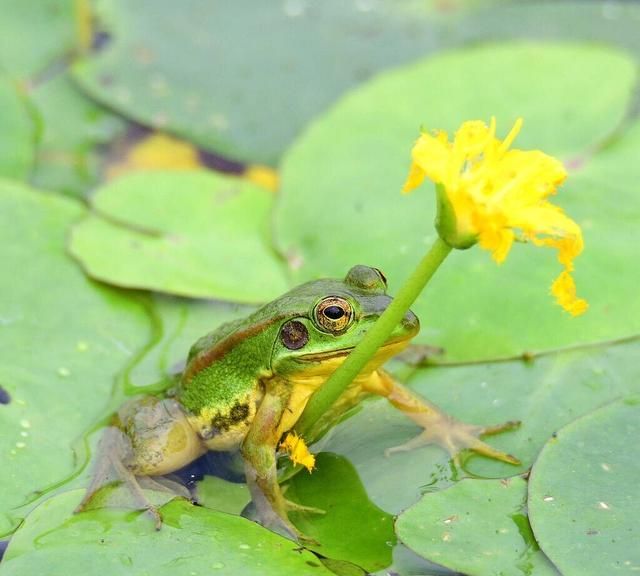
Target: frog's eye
333,314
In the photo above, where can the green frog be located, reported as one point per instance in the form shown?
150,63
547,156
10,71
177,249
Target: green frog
246,384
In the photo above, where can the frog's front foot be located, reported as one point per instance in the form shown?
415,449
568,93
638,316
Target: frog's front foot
456,436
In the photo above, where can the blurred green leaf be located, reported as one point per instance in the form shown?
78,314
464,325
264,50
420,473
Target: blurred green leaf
172,65
73,128
192,540
477,527
340,201
64,339
583,493
35,33
18,132
189,233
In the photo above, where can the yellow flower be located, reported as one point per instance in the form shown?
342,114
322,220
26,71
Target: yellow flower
298,452
492,195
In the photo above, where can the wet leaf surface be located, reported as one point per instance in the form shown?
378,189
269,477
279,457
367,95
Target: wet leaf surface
477,527
64,340
582,501
192,539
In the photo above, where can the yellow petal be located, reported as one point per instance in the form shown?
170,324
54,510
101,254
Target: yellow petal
414,179
298,452
497,194
564,289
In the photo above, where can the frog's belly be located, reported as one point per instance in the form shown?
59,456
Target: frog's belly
224,429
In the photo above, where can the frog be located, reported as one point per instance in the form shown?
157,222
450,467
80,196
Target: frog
246,384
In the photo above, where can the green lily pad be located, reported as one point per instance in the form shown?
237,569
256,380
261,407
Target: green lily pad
18,132
583,495
477,527
335,488
340,200
64,338
35,34
193,540
188,233
252,101
73,126
545,393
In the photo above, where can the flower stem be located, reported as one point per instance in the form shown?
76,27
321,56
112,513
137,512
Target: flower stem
337,383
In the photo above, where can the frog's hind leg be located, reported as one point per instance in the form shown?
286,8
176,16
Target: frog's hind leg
150,437
439,428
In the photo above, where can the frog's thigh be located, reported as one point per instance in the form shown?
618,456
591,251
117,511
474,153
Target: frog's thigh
161,439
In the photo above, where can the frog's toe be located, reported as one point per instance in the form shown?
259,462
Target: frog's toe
455,437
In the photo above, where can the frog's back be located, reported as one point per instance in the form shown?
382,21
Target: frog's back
221,386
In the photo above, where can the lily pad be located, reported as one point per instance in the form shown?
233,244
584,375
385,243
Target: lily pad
545,393
192,540
334,488
477,527
35,34
340,200
583,495
18,132
190,233
243,106
64,339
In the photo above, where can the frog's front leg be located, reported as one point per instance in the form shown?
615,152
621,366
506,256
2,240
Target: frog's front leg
259,454
439,427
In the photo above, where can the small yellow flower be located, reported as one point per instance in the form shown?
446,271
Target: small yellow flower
298,452
492,195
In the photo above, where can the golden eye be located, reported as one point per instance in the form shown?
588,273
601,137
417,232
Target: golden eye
333,314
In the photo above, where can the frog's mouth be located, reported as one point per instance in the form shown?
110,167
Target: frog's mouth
385,352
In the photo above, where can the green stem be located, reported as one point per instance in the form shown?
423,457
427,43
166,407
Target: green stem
337,383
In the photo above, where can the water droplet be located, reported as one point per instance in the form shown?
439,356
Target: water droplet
25,423
64,372
603,506
24,433
82,346
20,445
548,499
244,546
605,467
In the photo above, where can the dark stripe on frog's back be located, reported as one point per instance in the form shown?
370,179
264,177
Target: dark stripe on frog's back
212,379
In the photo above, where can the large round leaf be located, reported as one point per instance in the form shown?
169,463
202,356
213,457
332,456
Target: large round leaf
192,541
477,527
340,202
583,497
190,233
63,340
171,65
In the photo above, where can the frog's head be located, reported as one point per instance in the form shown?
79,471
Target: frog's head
324,320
